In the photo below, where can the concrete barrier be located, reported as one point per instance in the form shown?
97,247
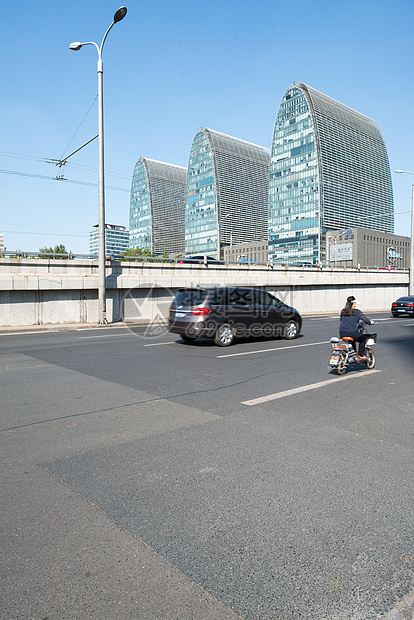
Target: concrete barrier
47,291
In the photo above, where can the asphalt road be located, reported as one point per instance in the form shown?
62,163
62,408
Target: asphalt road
148,478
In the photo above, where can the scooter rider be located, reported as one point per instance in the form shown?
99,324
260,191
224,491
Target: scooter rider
350,317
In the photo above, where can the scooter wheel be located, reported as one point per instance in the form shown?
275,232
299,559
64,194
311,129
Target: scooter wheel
341,368
370,363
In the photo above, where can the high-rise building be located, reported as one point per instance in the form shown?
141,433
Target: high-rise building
156,212
329,170
227,193
1,242
116,240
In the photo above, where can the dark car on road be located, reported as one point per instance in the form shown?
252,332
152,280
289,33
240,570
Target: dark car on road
404,306
223,313
201,259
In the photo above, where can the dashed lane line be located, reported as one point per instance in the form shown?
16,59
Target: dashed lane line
287,348
104,336
307,388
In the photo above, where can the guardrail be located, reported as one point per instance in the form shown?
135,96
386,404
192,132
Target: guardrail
178,260
55,255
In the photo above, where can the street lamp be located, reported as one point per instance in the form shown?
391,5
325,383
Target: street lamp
120,14
328,248
411,285
219,220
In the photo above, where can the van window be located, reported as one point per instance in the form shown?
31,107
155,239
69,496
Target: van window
241,297
190,297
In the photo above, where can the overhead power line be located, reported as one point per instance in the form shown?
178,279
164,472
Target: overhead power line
70,164
41,176
28,232
62,162
71,140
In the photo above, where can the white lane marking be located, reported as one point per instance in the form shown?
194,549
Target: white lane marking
103,336
287,348
48,331
158,344
322,318
101,328
306,388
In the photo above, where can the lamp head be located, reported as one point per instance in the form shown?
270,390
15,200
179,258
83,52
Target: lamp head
120,14
399,171
75,46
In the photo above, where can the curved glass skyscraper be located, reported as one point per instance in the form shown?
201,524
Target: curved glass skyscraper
227,193
329,170
156,211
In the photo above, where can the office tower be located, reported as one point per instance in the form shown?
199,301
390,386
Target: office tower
227,193
116,240
329,170
156,212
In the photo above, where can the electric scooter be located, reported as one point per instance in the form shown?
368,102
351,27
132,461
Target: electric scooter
344,353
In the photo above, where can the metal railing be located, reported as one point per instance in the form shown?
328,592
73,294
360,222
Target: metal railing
54,255
178,260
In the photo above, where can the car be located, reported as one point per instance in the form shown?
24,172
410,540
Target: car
404,306
202,259
223,313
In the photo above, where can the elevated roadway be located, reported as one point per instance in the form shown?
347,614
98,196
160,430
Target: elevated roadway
45,291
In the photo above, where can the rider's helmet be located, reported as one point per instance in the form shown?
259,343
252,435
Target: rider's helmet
351,299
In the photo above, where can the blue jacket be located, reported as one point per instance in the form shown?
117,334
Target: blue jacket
349,324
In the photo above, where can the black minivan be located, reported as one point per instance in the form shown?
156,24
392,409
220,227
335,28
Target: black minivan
225,312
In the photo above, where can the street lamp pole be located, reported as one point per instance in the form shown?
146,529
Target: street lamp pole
328,249
219,220
411,285
120,14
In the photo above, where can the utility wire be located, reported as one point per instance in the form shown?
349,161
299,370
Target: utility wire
70,164
41,176
48,229
27,232
20,156
71,140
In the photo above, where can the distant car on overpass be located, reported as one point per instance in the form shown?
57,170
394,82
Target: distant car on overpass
200,259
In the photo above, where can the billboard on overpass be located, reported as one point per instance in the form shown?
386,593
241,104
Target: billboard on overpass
340,251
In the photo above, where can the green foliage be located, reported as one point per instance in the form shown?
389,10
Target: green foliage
136,252
51,252
140,254
132,254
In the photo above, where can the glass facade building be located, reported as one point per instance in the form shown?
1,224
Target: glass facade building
156,210
227,193
116,240
329,170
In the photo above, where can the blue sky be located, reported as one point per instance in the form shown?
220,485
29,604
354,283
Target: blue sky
171,68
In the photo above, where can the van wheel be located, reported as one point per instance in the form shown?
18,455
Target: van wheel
224,335
290,330
187,338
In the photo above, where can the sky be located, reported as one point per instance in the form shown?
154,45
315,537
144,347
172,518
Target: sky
171,68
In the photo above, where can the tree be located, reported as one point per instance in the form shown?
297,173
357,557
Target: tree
140,254
51,252
133,253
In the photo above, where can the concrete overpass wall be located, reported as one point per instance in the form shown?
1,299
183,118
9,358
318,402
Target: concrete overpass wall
43,291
